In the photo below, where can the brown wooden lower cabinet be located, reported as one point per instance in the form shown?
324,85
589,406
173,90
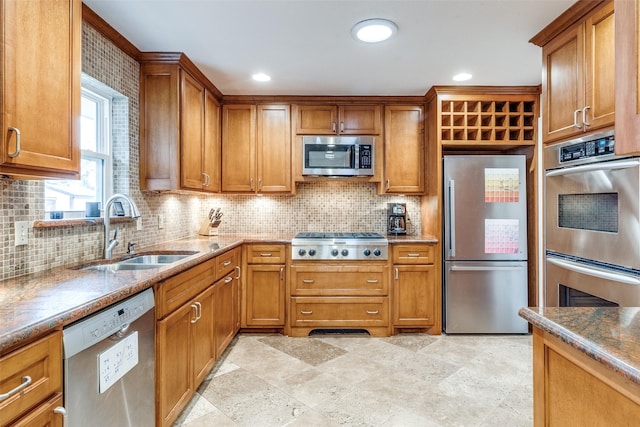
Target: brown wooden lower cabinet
265,293
225,312
571,389
42,362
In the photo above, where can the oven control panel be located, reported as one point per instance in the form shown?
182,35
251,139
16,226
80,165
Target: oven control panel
586,149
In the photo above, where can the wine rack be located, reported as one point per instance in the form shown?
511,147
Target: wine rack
509,121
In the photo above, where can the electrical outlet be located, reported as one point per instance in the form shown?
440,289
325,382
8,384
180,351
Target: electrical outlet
22,232
160,221
139,223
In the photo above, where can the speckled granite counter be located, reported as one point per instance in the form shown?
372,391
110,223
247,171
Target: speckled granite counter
34,304
610,336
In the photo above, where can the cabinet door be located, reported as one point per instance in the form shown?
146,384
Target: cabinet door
174,379
359,119
274,148
316,120
211,149
404,154
238,148
600,69
225,324
265,303
627,65
204,349
40,95
563,84
191,132
414,295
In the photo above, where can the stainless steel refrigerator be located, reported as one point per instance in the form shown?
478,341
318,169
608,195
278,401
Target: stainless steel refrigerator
485,243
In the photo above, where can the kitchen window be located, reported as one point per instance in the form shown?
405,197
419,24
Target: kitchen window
69,198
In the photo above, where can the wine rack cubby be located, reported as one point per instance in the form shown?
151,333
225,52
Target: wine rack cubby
466,121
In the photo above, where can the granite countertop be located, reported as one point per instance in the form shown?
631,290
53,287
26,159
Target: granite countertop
609,335
32,305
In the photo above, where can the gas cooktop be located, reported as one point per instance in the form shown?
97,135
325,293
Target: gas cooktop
339,246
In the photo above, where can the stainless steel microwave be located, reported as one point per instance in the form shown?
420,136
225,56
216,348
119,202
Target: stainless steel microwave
338,155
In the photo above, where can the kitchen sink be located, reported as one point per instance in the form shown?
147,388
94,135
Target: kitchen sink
141,262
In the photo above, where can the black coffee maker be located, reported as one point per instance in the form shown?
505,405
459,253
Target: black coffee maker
396,218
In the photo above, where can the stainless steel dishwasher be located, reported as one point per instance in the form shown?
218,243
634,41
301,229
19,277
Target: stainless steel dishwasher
109,365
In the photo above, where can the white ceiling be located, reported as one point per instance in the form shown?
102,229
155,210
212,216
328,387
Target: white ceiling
307,48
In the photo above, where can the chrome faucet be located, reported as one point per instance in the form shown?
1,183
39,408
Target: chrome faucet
110,244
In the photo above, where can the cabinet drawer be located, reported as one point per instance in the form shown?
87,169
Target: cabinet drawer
266,254
175,291
413,254
339,311
339,280
42,362
43,415
226,262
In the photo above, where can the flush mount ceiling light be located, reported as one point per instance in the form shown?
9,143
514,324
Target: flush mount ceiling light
462,77
261,77
374,30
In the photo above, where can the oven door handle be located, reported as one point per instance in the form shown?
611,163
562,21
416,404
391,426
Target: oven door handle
623,164
593,271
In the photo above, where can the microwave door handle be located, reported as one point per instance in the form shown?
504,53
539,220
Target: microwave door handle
623,164
593,271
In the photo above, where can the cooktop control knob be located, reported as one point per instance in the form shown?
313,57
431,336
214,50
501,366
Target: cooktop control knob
376,252
312,252
345,252
301,252
367,252
334,252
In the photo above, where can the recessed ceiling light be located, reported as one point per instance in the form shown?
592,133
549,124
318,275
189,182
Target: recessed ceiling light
261,77
461,77
374,30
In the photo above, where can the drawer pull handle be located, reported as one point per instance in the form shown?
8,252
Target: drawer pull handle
306,312
265,254
17,152
239,272
195,317
308,280
228,279
372,280
373,311
26,380
226,263
413,255
60,410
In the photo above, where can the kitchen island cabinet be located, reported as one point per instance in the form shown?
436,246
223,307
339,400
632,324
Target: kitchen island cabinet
415,298
338,119
586,367
578,73
40,94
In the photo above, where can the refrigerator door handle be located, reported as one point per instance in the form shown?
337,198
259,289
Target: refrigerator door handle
488,268
451,216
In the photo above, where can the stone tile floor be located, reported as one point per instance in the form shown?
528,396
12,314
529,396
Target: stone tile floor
355,380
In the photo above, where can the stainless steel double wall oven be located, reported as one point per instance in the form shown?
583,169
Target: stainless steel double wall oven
592,224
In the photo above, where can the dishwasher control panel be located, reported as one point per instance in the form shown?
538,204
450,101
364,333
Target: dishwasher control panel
98,326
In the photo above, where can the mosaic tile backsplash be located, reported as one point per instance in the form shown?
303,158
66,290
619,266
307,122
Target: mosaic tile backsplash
319,206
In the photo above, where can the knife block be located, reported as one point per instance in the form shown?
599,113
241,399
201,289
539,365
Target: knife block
208,229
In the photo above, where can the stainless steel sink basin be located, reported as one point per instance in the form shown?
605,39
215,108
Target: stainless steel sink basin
141,262
155,259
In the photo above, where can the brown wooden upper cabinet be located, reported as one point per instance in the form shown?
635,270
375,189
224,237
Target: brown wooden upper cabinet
40,128
578,76
338,119
627,27
256,148
404,149
180,131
